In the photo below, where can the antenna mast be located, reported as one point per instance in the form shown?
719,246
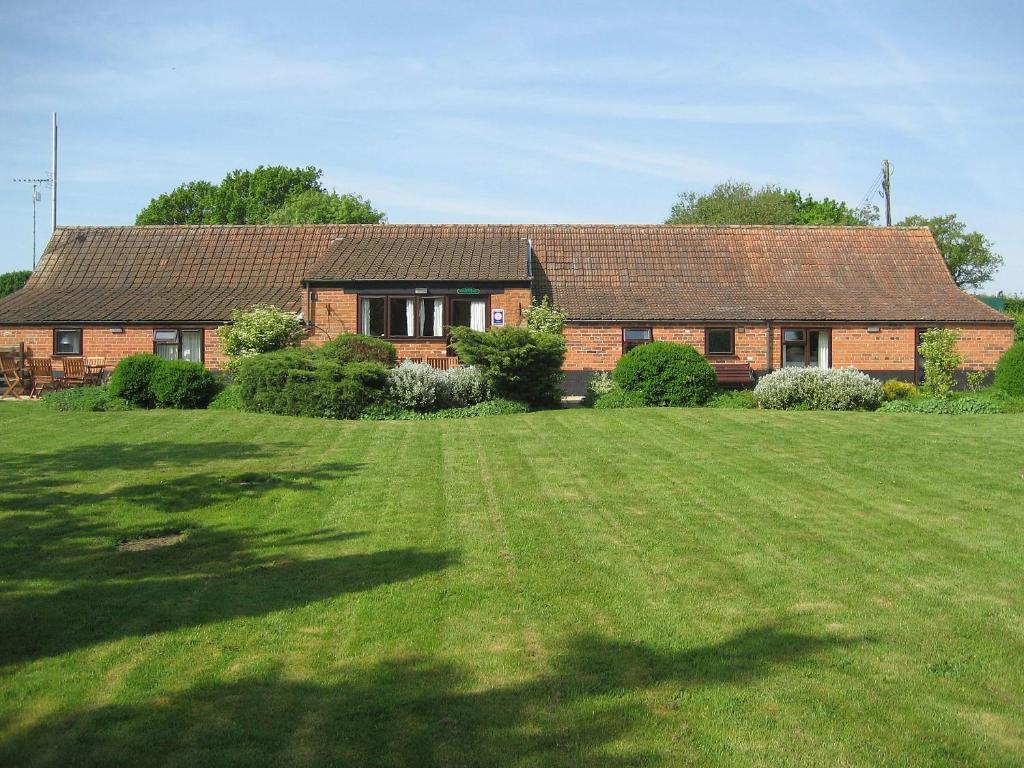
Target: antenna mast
53,183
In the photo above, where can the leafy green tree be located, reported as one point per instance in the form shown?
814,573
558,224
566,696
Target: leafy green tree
250,197
968,255
190,203
315,207
267,194
13,281
736,202
833,212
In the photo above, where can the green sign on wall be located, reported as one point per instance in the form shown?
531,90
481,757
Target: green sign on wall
469,290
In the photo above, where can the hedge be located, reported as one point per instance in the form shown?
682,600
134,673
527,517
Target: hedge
666,373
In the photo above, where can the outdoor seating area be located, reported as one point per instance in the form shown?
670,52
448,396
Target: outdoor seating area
31,377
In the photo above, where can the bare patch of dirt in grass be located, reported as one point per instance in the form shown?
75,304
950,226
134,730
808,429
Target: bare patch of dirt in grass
145,544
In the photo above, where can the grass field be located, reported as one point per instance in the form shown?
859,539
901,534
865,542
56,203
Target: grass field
659,587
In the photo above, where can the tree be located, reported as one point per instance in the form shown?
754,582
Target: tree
736,202
268,193
968,255
190,203
833,212
250,197
314,207
13,281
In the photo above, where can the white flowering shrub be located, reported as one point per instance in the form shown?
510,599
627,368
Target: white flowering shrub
465,386
262,328
843,389
544,317
416,387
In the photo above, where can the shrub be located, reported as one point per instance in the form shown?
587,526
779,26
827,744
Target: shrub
132,377
182,384
894,389
620,398
665,373
600,383
304,382
416,386
944,406
84,399
818,389
517,364
543,317
356,348
938,351
259,329
976,380
497,407
229,399
734,399
466,386
1010,370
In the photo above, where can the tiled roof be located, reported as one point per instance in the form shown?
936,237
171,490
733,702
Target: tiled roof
426,256
594,272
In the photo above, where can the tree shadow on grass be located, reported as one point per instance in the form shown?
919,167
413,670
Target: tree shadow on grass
38,624
409,712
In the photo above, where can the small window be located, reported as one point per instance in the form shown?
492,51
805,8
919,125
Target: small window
373,315
402,317
175,344
793,335
720,341
431,317
67,341
470,313
806,348
634,337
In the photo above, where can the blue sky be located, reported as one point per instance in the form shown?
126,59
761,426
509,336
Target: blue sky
546,112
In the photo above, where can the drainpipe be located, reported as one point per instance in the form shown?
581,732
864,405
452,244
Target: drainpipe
770,359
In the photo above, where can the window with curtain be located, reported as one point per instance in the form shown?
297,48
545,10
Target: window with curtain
178,344
432,317
373,316
401,317
67,341
165,343
805,347
470,313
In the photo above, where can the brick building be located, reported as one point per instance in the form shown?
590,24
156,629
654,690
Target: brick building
765,296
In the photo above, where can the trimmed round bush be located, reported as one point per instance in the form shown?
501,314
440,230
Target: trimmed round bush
665,373
416,386
356,348
1010,370
304,382
132,377
818,389
466,386
894,389
182,384
228,399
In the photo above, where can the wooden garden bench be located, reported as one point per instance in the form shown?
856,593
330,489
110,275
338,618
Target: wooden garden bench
734,374
11,373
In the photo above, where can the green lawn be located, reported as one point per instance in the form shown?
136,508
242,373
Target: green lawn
659,587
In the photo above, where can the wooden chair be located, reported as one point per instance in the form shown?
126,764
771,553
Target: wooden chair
74,372
734,374
42,375
11,376
94,367
443,363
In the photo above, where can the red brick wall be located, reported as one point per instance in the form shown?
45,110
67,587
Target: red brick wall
598,346
99,341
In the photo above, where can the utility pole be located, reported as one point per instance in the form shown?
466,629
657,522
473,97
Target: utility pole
53,181
36,197
886,173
